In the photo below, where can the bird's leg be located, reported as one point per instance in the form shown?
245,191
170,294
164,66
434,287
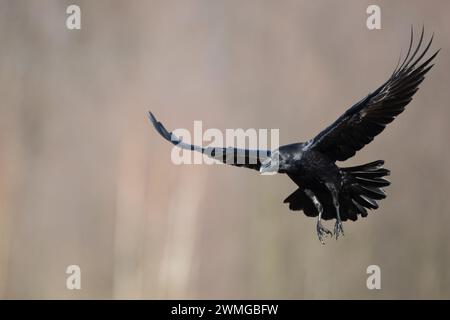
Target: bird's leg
338,227
321,230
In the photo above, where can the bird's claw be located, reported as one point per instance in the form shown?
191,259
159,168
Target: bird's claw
322,232
338,229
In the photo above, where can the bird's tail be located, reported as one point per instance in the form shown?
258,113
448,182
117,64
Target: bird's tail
362,187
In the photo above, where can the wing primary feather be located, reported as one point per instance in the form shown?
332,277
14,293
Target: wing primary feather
417,48
409,50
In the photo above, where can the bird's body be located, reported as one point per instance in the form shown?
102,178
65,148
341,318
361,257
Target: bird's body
325,190
310,166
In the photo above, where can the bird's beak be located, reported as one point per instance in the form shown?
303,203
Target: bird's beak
267,168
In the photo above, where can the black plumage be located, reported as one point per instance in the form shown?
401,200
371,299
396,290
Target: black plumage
325,190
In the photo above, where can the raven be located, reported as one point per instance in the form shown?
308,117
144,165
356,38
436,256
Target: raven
325,190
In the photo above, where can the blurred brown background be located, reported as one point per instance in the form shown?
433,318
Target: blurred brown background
85,180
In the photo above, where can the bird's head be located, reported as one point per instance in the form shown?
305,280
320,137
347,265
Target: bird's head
282,160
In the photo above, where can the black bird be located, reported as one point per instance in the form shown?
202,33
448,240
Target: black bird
325,190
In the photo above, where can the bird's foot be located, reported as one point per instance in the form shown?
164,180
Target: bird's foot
322,232
338,229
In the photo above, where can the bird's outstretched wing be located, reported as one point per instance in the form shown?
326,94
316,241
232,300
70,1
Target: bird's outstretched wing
362,122
232,156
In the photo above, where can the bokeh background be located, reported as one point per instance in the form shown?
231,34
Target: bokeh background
85,180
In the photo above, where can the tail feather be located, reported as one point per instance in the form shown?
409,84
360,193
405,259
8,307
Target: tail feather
365,201
374,193
366,167
363,185
361,210
371,174
377,183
